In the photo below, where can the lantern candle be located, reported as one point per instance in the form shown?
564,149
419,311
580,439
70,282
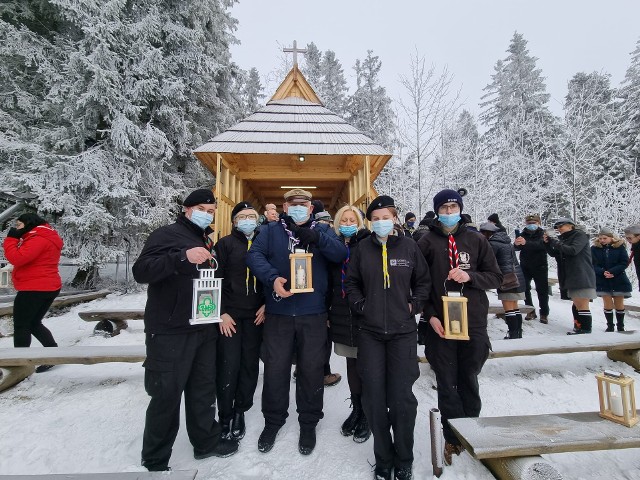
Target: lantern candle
616,405
455,326
301,278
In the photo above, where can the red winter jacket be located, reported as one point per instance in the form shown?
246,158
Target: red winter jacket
35,257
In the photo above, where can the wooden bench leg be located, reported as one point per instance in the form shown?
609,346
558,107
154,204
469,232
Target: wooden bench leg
14,375
109,328
631,357
521,468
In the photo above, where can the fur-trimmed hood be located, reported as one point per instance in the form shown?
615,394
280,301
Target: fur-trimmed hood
616,243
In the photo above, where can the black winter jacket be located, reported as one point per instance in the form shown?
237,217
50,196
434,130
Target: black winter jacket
612,258
571,250
164,266
506,258
386,310
635,249
344,322
237,292
533,254
476,258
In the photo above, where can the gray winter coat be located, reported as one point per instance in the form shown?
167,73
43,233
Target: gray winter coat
573,253
506,257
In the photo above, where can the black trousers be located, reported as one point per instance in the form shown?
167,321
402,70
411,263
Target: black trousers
176,364
540,277
388,369
29,308
238,365
307,336
457,364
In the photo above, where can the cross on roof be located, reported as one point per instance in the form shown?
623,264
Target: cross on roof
295,50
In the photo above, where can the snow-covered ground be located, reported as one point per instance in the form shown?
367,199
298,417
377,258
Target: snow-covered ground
90,418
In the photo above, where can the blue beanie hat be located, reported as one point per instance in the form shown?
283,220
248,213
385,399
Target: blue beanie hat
446,196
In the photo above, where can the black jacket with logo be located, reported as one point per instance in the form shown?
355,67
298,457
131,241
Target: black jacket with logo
238,291
386,310
164,266
476,258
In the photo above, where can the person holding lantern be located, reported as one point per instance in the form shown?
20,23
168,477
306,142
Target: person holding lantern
459,261
242,313
388,282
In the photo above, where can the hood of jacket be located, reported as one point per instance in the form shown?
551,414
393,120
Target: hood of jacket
500,237
616,243
45,231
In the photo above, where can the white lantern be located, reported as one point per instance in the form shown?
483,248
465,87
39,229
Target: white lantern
207,293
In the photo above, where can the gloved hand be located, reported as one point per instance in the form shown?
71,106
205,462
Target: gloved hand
307,236
15,233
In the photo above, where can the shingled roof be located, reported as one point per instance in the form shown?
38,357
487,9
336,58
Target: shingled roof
293,125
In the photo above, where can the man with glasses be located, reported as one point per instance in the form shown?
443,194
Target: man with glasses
294,322
632,234
180,357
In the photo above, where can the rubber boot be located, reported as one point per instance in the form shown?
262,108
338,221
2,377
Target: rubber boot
608,314
519,325
620,320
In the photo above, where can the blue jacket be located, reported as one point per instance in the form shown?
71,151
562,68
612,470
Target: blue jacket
268,259
612,258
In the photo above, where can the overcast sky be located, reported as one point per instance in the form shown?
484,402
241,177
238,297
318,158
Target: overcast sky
467,36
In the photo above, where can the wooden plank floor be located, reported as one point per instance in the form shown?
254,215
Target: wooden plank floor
497,437
76,354
174,474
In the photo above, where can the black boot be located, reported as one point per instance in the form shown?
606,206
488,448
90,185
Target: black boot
511,325
226,428
362,431
307,441
608,314
349,425
620,320
519,325
268,437
381,473
238,428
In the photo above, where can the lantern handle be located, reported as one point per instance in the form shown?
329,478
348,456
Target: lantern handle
446,292
214,268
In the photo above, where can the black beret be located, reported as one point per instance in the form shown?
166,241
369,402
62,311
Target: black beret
202,195
383,201
239,207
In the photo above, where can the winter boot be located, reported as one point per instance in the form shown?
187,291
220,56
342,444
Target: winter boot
608,314
268,437
349,425
531,316
449,450
362,431
381,473
519,325
238,428
307,441
544,319
403,473
583,324
226,429
512,324
620,320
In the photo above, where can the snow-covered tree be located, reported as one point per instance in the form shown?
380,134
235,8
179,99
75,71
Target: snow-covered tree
333,86
630,110
252,92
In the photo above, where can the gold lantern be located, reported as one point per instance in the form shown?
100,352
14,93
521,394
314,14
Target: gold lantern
617,398
301,272
456,323
207,294
5,276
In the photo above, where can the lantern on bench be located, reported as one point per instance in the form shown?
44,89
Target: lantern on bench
301,272
456,323
617,398
207,293
5,276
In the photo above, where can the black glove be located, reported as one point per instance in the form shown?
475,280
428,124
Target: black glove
15,233
307,236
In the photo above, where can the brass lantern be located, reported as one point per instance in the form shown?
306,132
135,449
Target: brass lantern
456,323
301,271
617,398
207,293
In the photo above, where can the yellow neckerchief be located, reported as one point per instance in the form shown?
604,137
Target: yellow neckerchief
386,280
246,282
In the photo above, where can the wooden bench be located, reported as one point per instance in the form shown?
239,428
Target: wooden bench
62,300
632,308
174,474
507,444
111,322
19,363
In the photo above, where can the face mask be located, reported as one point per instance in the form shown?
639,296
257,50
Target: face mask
348,230
449,220
201,219
382,228
410,224
247,226
298,213
531,226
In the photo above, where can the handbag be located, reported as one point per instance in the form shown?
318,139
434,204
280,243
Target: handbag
510,280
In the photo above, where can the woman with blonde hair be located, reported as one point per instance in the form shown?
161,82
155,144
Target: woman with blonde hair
344,322
610,260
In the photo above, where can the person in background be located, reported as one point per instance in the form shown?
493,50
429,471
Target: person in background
533,260
493,218
324,217
409,225
33,248
270,213
344,323
181,358
632,234
576,275
610,260
462,261
294,323
388,282
242,312
423,226
508,263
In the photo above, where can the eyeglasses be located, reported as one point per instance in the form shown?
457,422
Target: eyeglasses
246,217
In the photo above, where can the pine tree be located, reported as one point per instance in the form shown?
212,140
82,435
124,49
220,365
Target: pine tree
312,68
629,93
252,92
333,85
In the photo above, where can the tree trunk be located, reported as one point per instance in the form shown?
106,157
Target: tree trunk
86,278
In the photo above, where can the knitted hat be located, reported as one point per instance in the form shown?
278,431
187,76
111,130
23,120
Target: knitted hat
488,227
31,220
200,196
383,201
323,216
409,216
318,206
563,221
607,232
446,196
632,230
493,218
239,207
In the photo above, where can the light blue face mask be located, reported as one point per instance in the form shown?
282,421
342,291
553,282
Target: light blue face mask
382,228
247,226
201,219
531,226
348,230
298,213
449,220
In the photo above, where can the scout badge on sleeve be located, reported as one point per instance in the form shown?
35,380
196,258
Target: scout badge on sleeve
456,324
206,297
301,273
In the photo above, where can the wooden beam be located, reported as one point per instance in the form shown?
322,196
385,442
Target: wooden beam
303,175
